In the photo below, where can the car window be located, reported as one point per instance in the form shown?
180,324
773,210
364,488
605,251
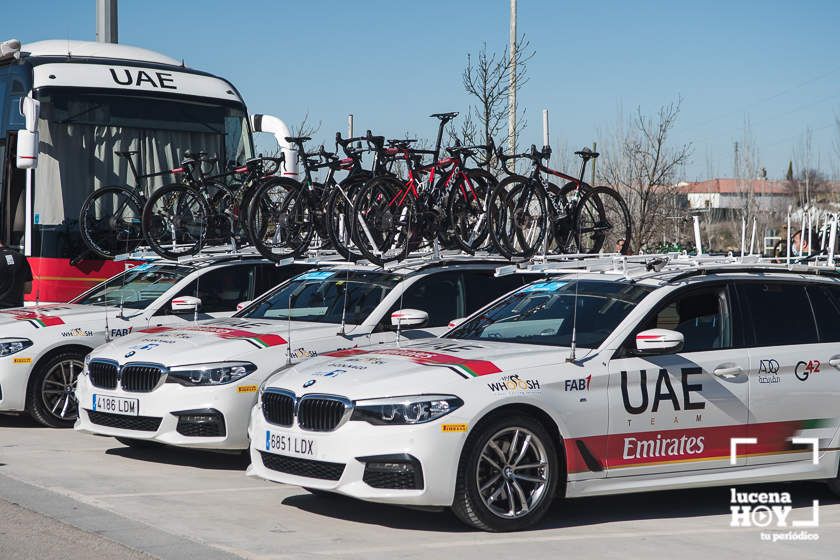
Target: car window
221,289
441,295
702,316
137,287
780,313
548,312
482,286
269,275
825,301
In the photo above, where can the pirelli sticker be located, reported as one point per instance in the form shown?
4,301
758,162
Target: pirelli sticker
246,389
22,360
453,427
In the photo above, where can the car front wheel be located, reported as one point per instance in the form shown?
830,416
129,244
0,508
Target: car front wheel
507,476
51,399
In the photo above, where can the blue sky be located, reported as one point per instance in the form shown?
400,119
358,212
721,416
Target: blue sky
773,63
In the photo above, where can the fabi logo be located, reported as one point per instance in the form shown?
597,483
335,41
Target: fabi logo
581,384
515,384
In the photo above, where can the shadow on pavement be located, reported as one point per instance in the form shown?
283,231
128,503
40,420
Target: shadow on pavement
184,457
566,513
19,421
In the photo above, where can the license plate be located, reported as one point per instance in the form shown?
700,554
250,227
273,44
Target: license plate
282,443
116,405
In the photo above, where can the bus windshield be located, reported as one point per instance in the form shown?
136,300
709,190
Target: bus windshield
135,288
325,296
80,131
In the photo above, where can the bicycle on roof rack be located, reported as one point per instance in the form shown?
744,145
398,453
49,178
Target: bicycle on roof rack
527,214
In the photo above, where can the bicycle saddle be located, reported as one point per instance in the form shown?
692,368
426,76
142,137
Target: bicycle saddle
445,116
126,153
586,153
298,139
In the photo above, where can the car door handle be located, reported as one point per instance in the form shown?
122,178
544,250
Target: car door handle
834,362
728,372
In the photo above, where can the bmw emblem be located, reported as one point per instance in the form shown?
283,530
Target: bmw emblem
309,383
130,354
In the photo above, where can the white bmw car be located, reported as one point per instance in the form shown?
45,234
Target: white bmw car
643,387
42,348
195,386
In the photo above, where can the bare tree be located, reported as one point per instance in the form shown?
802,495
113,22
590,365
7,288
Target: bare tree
305,127
643,167
486,79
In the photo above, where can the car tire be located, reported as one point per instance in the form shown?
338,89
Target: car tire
483,482
139,443
50,397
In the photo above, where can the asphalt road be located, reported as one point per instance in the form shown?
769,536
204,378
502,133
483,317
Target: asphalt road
69,495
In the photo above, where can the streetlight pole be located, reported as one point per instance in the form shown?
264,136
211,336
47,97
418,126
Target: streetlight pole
512,81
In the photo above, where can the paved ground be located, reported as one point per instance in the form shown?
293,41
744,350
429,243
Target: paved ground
99,499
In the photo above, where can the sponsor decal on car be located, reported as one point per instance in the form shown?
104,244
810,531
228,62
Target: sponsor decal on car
76,332
302,353
580,384
803,370
256,339
22,360
767,371
453,427
246,389
664,391
34,317
115,333
464,367
513,384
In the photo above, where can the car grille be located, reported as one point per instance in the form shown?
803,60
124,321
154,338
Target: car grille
320,414
140,379
138,423
306,468
278,408
103,375
391,480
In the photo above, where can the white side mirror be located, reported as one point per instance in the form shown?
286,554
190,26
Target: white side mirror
185,304
30,110
409,318
455,322
659,341
243,304
27,149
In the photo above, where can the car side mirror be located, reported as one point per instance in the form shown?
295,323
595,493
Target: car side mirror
185,304
243,304
659,341
409,318
456,322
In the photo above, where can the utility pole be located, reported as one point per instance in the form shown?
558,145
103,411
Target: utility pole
594,162
350,125
106,21
512,81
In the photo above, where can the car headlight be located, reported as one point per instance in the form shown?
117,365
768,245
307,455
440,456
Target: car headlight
219,373
9,346
416,409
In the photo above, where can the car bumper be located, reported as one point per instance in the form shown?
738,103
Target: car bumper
342,458
14,379
174,415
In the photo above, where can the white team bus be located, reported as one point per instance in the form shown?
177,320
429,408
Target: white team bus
89,100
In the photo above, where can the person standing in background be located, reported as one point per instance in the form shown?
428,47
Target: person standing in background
15,277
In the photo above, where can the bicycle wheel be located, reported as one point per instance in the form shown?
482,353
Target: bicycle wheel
340,223
281,220
383,228
175,221
524,220
602,222
223,221
466,209
496,213
563,238
110,221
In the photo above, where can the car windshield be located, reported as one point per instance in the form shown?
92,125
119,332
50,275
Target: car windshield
135,288
325,296
544,313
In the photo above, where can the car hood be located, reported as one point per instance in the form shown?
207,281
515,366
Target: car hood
213,340
21,321
424,367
